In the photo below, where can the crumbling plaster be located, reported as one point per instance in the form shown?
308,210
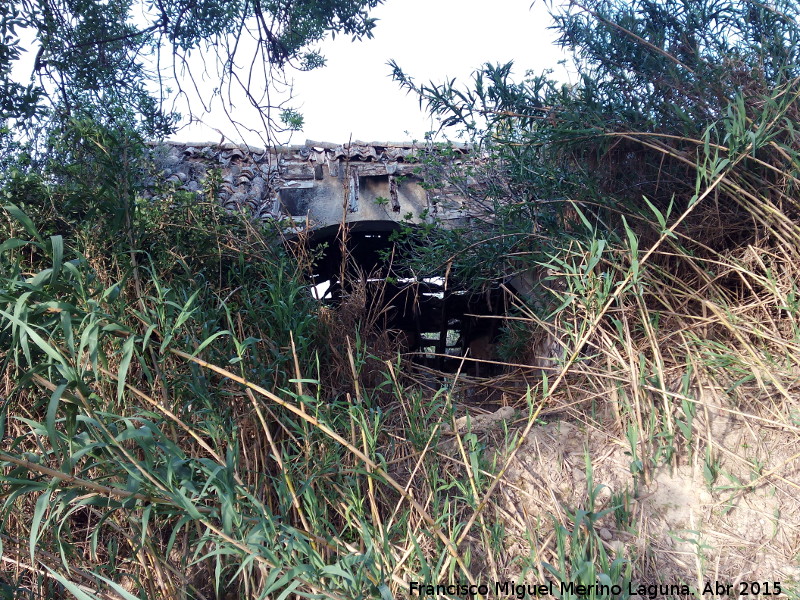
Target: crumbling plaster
317,184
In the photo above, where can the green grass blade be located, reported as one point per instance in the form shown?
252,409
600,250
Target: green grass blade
127,354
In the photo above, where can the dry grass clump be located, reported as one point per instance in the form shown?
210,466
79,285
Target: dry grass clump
685,402
662,449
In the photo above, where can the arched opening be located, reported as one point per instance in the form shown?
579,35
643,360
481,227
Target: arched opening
440,321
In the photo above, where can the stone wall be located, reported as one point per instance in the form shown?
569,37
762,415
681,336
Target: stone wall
318,184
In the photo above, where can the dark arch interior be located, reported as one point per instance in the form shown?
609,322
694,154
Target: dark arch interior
441,323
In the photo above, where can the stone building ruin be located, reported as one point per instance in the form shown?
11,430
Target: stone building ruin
374,188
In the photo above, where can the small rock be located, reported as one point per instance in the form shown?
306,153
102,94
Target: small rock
604,494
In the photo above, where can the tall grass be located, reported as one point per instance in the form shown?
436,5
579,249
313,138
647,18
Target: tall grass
171,428
662,251
181,419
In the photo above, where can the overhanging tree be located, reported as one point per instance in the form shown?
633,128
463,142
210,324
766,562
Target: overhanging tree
118,60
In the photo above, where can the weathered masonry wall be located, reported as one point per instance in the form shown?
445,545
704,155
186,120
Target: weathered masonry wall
318,183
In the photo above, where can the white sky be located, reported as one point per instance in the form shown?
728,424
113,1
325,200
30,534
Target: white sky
353,95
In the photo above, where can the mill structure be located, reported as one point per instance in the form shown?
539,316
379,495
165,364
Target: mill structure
374,189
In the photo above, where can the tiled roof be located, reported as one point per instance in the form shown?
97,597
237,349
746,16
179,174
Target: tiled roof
252,177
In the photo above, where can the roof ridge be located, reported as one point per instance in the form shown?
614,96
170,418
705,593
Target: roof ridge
308,144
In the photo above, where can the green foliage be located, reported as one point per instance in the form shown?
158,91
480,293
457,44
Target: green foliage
292,119
89,179
672,98
112,426
89,320
582,557
675,66
167,419
16,100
